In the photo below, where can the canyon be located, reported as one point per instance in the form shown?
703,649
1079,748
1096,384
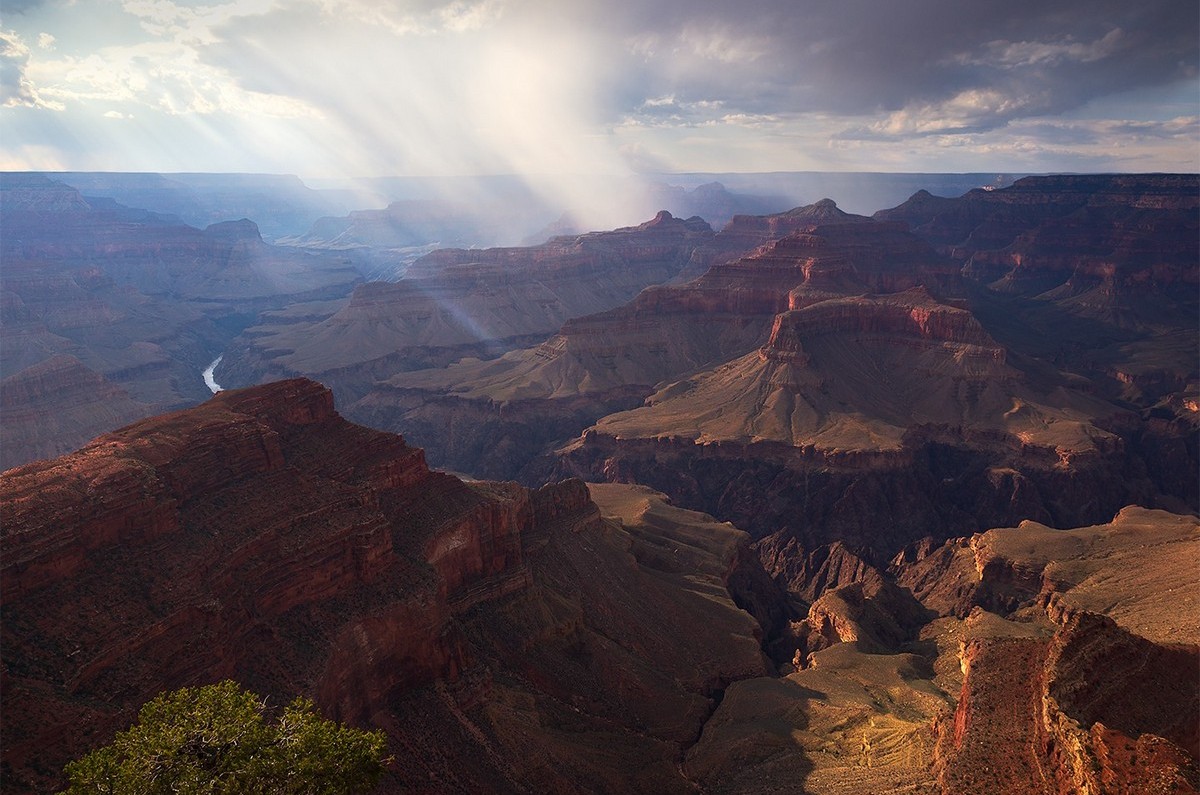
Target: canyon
455,303
816,503
262,537
847,369
110,313
575,638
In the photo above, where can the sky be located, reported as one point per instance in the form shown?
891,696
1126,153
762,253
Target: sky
345,88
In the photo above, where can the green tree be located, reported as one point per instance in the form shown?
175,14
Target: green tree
214,740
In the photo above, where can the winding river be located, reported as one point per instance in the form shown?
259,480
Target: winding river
208,375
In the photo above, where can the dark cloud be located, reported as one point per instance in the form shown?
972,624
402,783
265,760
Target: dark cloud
556,86
1013,58
973,65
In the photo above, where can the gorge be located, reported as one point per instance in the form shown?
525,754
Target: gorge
815,503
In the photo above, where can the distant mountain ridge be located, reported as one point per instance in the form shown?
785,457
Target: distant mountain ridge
110,312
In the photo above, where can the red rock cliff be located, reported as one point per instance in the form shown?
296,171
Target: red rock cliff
258,536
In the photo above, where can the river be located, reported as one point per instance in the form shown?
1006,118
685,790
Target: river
208,375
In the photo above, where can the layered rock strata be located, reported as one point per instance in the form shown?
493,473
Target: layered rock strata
610,361
454,303
1085,680
897,406
261,537
141,301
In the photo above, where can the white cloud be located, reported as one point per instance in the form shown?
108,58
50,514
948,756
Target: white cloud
16,88
968,110
168,72
45,41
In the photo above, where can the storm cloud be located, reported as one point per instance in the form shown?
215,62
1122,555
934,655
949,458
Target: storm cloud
560,86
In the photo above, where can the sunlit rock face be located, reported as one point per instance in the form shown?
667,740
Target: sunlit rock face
1096,686
612,360
1078,677
944,415
136,299
262,537
846,372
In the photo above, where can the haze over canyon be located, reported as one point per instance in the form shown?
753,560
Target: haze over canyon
749,494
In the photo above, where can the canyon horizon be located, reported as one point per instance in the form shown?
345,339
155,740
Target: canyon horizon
811,482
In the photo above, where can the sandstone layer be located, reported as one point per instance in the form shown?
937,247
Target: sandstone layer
880,418
507,640
609,361
1055,692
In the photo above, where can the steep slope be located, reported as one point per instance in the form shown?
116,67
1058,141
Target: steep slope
1122,568
1110,260
1023,406
612,360
454,303
850,374
895,406
262,537
54,406
1043,696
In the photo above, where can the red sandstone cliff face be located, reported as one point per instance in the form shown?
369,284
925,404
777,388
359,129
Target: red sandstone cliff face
219,542
262,537
1094,709
995,407
1084,680
859,408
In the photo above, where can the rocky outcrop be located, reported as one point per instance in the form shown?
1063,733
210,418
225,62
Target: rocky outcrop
897,405
1060,692
1094,709
993,218
262,537
1111,261
213,543
1118,568
878,617
1092,688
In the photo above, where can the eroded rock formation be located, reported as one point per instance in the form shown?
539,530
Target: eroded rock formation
508,640
609,361
1084,681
